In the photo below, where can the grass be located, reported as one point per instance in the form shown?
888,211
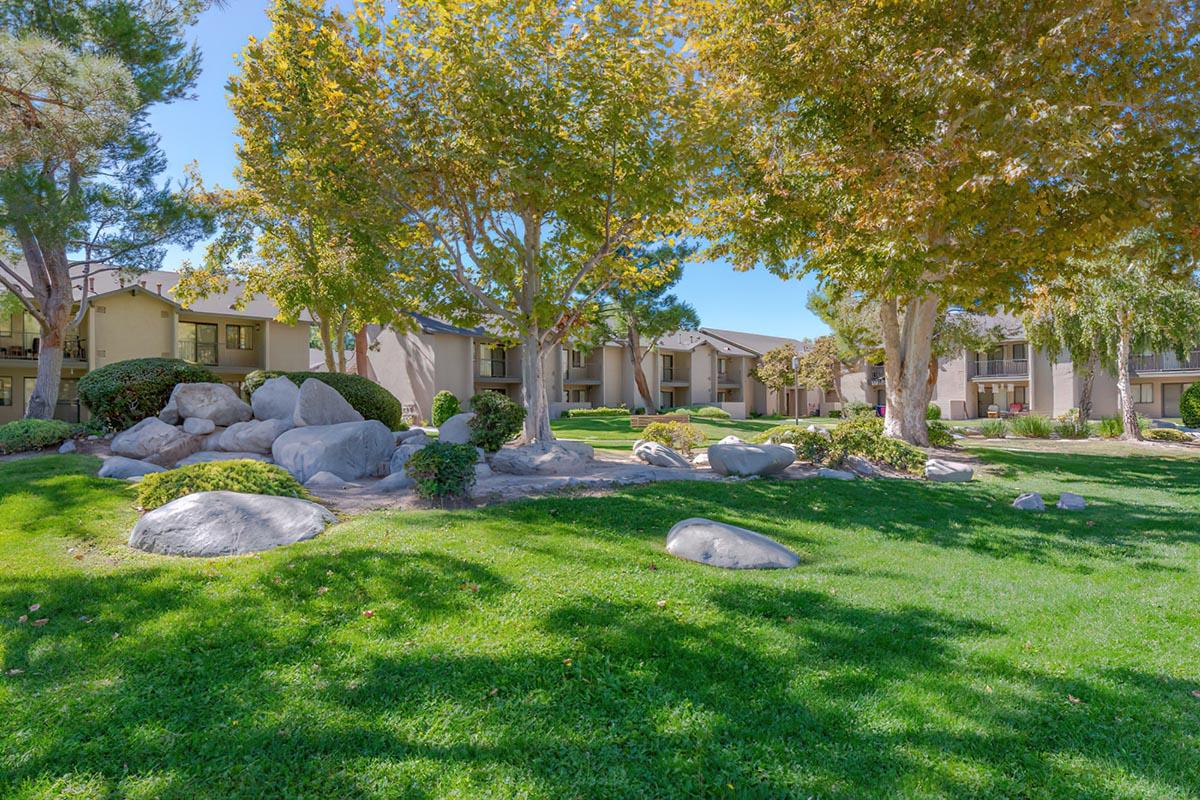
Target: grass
614,433
933,643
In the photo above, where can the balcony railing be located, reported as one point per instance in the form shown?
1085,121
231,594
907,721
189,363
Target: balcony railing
27,346
729,379
877,375
1166,362
1000,368
587,372
674,375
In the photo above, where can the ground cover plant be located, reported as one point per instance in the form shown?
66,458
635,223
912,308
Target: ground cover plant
33,434
994,428
1031,426
237,475
810,445
615,433
1168,435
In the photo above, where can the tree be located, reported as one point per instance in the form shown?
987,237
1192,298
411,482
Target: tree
774,368
821,367
528,140
939,154
78,164
852,324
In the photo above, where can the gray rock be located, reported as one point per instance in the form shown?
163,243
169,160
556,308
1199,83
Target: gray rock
320,404
835,474
1162,423
401,456
121,467
555,458
1069,501
937,469
483,471
181,449
205,456
350,450
862,466
1029,501
255,436
214,401
457,429
327,480
212,441
657,454
411,436
746,460
275,399
700,459
199,426
170,414
731,439
819,431
227,523
146,438
720,545
67,447
395,482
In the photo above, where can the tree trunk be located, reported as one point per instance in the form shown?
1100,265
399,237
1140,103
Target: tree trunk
54,299
341,346
908,350
1131,431
362,364
326,343
837,386
533,390
636,357
49,377
1085,391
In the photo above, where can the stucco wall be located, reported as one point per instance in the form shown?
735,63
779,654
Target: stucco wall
612,361
287,346
128,325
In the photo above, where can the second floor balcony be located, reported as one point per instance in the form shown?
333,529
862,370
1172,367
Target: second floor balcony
1165,362
27,347
999,368
675,375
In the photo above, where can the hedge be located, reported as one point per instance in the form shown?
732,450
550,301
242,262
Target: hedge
445,406
1189,405
239,475
600,411
442,470
126,392
364,395
34,434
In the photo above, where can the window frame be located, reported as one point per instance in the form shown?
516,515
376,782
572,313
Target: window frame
488,355
244,339
195,343
1139,391
3,394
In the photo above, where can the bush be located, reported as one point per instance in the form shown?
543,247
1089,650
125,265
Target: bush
445,406
34,434
810,446
679,436
1189,406
1168,435
599,411
933,411
363,394
640,410
240,475
834,413
863,436
939,434
1071,426
497,420
858,408
1032,426
442,470
710,412
993,428
126,392
1113,427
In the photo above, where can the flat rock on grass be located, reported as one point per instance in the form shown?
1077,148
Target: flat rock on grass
835,474
1029,501
1069,501
728,546
121,467
943,471
659,455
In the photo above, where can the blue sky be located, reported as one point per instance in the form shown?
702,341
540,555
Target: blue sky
201,130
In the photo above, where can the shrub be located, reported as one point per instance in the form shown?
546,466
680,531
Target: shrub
810,446
711,412
34,434
599,411
640,410
445,406
933,411
1072,426
1189,405
363,394
863,436
835,413
679,436
1032,426
240,475
939,434
125,392
1112,427
497,420
1168,435
993,428
442,470
858,408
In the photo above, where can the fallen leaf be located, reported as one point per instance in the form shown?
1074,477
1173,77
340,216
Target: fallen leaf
1073,699
661,603
14,671
40,622
493,692
322,589
23,618
116,636
987,688
471,587
567,662
34,607
369,613
1195,692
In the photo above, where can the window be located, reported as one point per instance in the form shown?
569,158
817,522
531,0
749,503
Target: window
576,358
576,395
1018,351
723,367
668,367
5,391
493,361
881,397
1020,396
723,396
198,342
239,337
1143,392
667,400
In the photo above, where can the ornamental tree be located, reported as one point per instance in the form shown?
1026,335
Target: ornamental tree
945,153
774,368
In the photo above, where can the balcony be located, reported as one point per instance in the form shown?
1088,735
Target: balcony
585,375
1000,368
496,371
731,380
877,375
1165,362
26,346
675,375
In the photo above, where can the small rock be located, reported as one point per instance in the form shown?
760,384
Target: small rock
411,436
937,469
700,459
862,466
199,426
68,447
121,467
720,545
835,474
395,482
253,436
1069,501
169,414
657,454
327,480
1029,501
482,471
731,439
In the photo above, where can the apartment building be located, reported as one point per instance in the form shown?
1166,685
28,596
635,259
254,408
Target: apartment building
138,319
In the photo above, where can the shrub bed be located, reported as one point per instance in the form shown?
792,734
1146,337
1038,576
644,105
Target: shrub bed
1168,435
1113,427
993,428
1071,426
863,436
497,420
445,406
679,436
33,434
859,409
810,446
126,392
708,412
1032,426
599,411
240,475
939,433
442,470
364,395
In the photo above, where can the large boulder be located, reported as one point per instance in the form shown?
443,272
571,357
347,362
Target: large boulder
275,399
319,403
720,545
177,450
657,454
146,438
746,460
350,450
411,436
938,469
327,480
401,456
457,429
556,458
1069,501
214,455
1029,501
121,467
395,482
214,401
227,523
255,436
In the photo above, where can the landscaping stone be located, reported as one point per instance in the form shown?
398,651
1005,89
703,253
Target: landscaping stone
415,436
199,426
700,459
657,454
205,456
1029,501
227,523
835,474
212,441
121,467
67,447
556,458
214,401
731,439
483,471
819,431
720,545
168,456
401,456
862,466
318,403
350,450
938,469
255,436
170,414
146,438
395,482
275,399
746,460
327,480
457,429
1069,501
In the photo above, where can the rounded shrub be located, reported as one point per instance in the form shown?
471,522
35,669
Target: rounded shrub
810,446
679,436
33,434
126,392
445,406
858,408
497,420
240,475
863,436
442,470
933,411
363,394
1168,435
1189,405
939,433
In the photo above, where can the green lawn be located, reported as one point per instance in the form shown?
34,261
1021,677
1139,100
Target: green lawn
614,433
933,643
